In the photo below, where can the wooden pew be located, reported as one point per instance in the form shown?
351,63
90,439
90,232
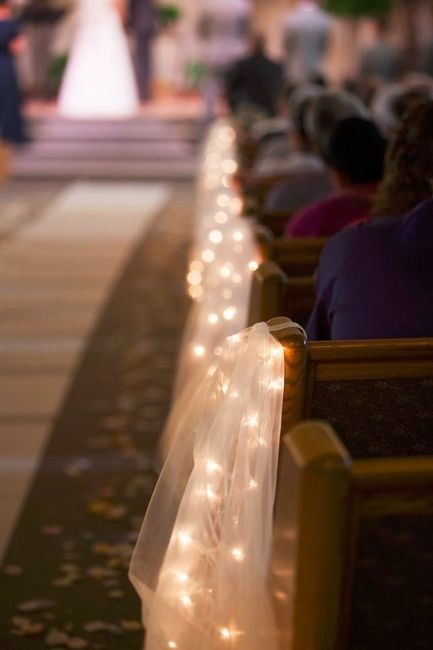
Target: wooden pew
275,220
299,256
361,386
353,563
274,293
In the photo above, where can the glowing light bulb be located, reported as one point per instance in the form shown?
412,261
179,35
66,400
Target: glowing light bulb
196,265
276,353
199,350
172,645
223,201
225,633
186,600
229,313
225,272
221,217
216,236
253,266
212,467
185,539
194,278
182,576
237,554
208,256
196,293
229,166
253,484
276,384
213,319
238,235
211,495
252,420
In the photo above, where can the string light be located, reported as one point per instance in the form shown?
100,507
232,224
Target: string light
182,577
213,319
253,266
229,313
212,467
221,217
199,350
225,633
276,384
208,255
229,166
172,645
223,201
194,278
238,554
216,237
225,272
238,235
253,484
196,265
186,600
184,539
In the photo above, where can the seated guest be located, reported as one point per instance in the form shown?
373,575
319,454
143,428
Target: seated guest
255,80
391,103
375,279
313,116
355,155
382,61
309,179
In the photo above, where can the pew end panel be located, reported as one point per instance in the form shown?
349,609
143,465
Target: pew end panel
366,581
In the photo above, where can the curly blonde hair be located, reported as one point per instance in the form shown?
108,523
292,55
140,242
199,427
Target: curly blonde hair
409,164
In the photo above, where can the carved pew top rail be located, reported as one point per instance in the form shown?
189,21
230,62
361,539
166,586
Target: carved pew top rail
358,386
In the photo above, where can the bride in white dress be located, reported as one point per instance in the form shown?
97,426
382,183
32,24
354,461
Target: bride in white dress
99,81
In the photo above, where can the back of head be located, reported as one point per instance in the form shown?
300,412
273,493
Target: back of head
409,163
329,108
392,102
299,105
356,149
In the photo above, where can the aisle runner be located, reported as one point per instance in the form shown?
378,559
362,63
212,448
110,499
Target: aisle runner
64,580
54,278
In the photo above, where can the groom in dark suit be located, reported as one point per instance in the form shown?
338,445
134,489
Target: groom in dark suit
143,24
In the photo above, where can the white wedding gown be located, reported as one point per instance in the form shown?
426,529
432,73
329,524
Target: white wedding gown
99,81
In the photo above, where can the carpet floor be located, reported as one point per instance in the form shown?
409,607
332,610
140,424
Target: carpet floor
63,583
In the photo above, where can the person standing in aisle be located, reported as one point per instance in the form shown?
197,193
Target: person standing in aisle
224,33
142,24
11,121
306,32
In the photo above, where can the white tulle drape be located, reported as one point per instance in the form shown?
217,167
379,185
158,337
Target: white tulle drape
201,565
223,258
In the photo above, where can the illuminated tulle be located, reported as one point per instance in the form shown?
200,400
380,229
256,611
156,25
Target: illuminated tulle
219,278
201,564
99,80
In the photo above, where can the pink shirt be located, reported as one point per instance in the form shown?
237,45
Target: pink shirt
329,216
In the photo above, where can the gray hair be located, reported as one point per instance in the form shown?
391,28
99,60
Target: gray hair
331,107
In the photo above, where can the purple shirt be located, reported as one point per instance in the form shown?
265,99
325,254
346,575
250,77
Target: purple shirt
329,216
375,280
